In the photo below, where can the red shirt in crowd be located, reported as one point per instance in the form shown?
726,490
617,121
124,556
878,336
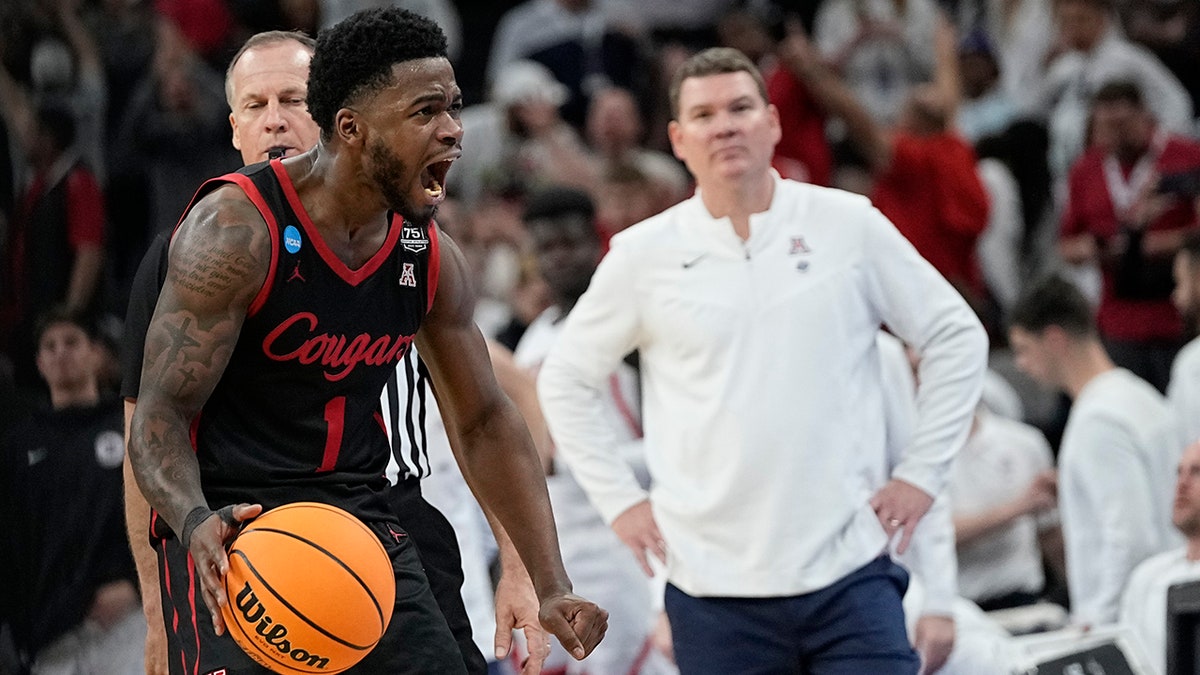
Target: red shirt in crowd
933,194
802,153
1090,209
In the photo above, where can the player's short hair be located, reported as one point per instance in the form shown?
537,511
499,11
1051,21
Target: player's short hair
1054,301
356,56
264,39
714,61
555,201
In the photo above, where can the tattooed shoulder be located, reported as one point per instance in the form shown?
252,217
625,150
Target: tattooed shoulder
222,249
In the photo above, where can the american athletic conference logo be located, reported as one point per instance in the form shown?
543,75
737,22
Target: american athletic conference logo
272,632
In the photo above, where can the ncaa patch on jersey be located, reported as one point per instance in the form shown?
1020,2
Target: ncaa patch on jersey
408,276
414,239
291,239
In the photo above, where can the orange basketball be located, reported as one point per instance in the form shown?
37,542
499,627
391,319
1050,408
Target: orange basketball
310,589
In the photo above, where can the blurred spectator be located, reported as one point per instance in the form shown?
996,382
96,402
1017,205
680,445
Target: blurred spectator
1092,53
64,71
1183,391
880,47
1002,487
588,45
443,12
803,152
1123,217
175,131
1022,150
55,247
925,180
70,591
1118,451
566,246
519,140
624,198
528,299
206,26
615,133
1170,29
1021,33
1000,248
125,34
986,108
1144,604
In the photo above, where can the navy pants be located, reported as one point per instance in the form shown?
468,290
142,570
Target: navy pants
854,626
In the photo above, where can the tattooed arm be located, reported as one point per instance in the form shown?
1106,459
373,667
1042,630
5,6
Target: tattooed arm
218,261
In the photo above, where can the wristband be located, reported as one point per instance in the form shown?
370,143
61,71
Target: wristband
191,522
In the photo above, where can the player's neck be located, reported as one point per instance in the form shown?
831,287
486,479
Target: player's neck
334,193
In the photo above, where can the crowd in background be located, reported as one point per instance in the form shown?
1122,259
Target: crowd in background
1006,139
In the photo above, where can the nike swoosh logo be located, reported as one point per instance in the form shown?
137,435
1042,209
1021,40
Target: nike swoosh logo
689,263
36,456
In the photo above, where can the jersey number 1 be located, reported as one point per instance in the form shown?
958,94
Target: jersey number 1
335,420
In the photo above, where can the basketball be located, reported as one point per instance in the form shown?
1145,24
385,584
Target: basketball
310,589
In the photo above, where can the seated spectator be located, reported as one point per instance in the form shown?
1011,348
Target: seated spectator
1002,487
1144,604
70,598
1117,455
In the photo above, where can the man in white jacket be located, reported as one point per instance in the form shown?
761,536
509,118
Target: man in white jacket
754,306
1117,459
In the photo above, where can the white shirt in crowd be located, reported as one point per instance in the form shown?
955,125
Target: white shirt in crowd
1144,604
996,465
1117,465
1183,392
761,385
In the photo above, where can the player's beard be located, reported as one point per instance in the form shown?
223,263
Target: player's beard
388,174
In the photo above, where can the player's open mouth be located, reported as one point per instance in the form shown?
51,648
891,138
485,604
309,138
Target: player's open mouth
433,179
277,152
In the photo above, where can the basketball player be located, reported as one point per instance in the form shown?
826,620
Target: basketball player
754,306
265,87
235,339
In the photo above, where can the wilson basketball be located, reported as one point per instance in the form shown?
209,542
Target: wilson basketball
310,589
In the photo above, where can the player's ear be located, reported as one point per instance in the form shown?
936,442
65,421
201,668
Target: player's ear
348,126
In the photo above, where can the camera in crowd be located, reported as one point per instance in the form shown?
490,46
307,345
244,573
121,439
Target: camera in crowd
1182,184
